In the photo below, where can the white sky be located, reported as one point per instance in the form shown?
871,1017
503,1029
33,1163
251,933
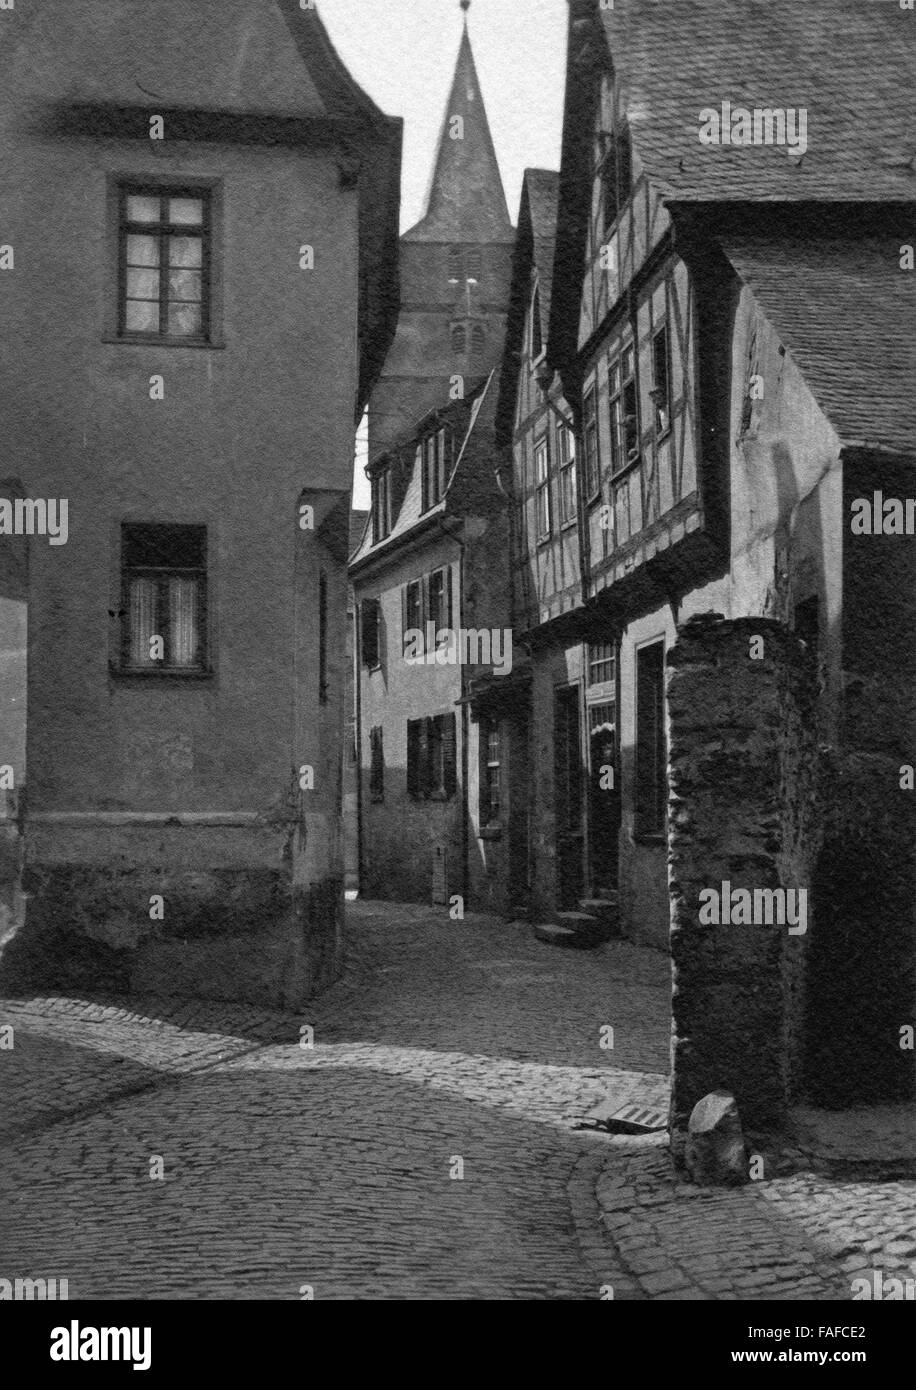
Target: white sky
402,52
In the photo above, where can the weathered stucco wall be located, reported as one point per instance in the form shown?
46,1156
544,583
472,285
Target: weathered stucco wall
243,426
400,832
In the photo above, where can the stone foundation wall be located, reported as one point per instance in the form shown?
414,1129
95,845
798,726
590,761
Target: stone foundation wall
743,811
235,926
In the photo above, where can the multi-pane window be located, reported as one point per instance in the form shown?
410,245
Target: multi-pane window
433,456
438,599
370,618
376,765
602,733
164,577
542,487
381,504
164,263
490,773
473,263
459,339
431,758
413,609
602,663
478,338
436,609
590,431
616,173
651,752
661,379
623,409
455,264
566,449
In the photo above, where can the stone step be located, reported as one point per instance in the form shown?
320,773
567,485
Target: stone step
573,929
606,911
555,935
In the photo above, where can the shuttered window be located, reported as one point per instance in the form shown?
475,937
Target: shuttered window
376,765
370,618
432,767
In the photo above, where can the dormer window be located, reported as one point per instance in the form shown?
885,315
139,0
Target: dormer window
616,174
536,346
433,455
381,504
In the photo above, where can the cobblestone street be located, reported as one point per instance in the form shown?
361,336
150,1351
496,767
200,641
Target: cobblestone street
449,1048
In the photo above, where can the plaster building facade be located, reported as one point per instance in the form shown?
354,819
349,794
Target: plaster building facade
203,209
435,549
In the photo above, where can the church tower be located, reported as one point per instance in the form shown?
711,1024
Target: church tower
455,267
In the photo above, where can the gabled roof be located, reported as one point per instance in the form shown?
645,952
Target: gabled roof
847,314
358,518
465,201
466,416
535,243
264,57
541,187
850,65
244,71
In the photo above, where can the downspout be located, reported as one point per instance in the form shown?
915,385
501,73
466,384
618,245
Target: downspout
465,838
358,737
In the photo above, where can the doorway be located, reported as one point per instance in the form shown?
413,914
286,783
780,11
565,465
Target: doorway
568,799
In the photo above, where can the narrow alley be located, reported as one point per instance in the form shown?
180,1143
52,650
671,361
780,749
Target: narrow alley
425,1145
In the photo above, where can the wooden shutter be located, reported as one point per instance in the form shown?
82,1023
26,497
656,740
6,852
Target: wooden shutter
369,626
413,757
423,756
449,755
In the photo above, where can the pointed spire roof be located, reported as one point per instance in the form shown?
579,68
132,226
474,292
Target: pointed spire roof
466,200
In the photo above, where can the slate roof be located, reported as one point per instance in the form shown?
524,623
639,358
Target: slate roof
850,63
465,200
542,189
235,56
535,243
465,414
847,313
358,519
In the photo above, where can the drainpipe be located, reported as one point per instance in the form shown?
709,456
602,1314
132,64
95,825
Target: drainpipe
465,841
358,737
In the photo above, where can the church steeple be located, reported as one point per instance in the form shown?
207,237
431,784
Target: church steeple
466,200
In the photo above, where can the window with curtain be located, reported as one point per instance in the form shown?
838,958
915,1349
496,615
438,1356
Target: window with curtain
164,579
490,773
566,449
164,263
